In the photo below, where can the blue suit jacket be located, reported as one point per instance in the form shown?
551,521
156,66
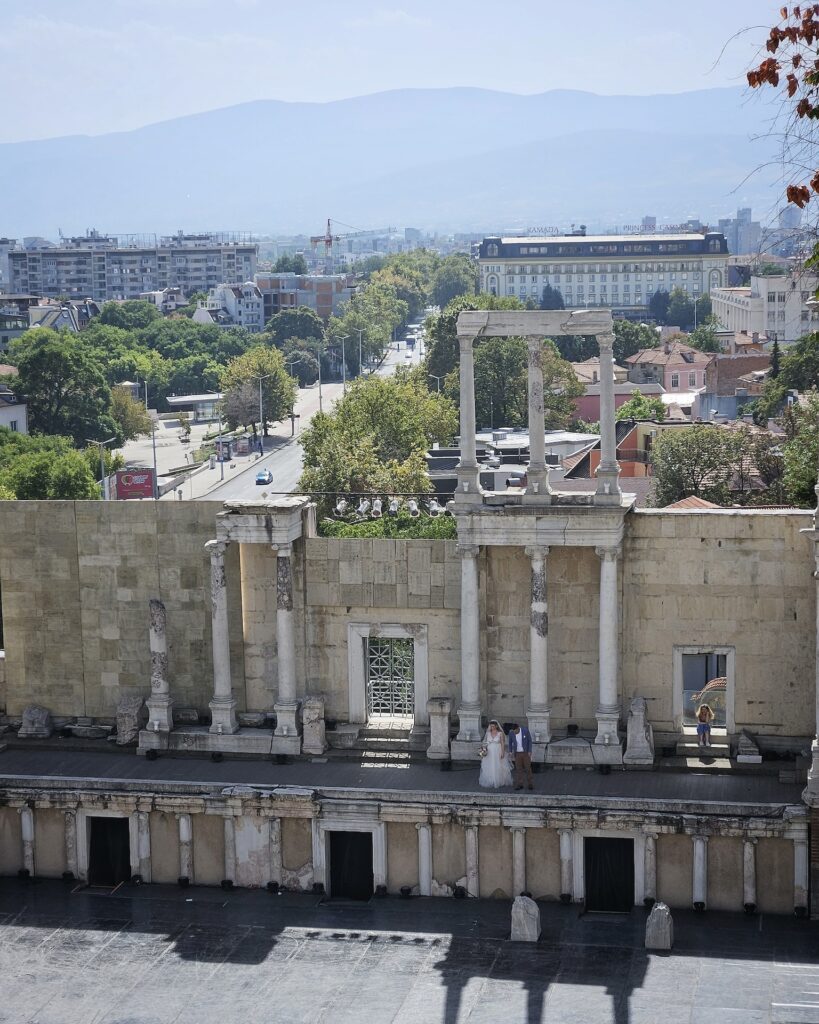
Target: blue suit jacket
522,742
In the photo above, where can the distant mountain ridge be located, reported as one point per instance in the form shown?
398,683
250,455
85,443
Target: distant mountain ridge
432,158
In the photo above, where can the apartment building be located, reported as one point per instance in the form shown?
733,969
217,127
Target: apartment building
618,271
233,305
125,267
323,293
774,306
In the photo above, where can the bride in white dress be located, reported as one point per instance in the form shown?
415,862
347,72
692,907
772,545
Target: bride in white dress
495,768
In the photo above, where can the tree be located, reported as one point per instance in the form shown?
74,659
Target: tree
631,338
775,357
300,362
658,306
697,460
703,307
551,298
801,425
240,405
49,475
301,322
443,353
290,264
641,407
66,390
704,337
456,276
278,387
131,416
680,309
130,315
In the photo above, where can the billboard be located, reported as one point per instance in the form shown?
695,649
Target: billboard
135,483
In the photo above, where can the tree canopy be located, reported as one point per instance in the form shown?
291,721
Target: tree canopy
641,407
290,264
278,389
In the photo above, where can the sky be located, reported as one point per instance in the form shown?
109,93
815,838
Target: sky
95,66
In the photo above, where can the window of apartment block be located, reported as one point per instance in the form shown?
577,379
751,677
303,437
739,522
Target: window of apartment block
692,380
771,296
675,380
780,296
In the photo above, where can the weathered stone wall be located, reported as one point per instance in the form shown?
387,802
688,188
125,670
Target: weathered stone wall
49,843
402,855
725,873
164,847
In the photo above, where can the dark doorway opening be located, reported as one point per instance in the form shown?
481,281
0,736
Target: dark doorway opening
609,874
351,865
109,851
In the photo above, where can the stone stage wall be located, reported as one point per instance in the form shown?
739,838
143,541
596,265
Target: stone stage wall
76,579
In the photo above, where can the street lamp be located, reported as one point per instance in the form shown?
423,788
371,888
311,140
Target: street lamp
342,339
221,441
103,479
359,331
260,377
437,379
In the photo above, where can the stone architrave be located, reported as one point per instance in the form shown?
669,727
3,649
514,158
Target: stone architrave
132,716
37,723
640,735
660,928
314,739
525,920
439,710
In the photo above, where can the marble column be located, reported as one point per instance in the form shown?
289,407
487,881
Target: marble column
472,869
608,708
469,737
230,848
469,489
749,875
811,792
424,859
539,711
27,833
518,861
566,836
537,475
800,875
143,867
276,866
159,704
70,842
286,706
608,470
185,846
650,869
700,879
223,705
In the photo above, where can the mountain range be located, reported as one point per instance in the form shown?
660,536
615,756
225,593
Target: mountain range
432,158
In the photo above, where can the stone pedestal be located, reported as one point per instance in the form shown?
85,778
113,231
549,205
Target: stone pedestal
160,705
640,735
439,709
314,740
747,749
660,928
132,715
525,920
37,723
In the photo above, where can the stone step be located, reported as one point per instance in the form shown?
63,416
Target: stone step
384,734
690,748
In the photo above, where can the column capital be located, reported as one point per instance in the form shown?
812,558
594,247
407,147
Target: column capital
516,828
537,552
750,840
283,550
702,839
469,550
608,554
422,824
605,341
216,548
465,343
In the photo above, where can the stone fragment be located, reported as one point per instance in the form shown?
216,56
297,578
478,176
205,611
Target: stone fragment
747,749
639,736
314,738
659,928
439,710
36,723
131,717
525,920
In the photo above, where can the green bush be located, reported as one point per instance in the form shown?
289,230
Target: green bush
400,526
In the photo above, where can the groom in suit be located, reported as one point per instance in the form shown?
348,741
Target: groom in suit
520,747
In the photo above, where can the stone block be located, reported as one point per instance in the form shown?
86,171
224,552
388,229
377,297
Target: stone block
36,723
314,740
640,735
747,749
131,717
660,928
525,920
439,709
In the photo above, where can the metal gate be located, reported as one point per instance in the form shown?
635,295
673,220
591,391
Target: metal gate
390,678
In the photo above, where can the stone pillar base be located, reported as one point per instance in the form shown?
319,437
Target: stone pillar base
465,750
287,719
608,720
811,792
286,744
223,716
540,726
469,486
438,709
160,714
469,724
315,738
608,486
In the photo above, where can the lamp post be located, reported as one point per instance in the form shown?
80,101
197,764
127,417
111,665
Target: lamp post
319,382
103,478
359,331
260,377
221,442
437,379
342,339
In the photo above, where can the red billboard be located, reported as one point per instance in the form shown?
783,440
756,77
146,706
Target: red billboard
135,483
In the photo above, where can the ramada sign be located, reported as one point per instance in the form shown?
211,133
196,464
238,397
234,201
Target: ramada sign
135,483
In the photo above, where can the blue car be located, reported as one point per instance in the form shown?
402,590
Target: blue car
264,476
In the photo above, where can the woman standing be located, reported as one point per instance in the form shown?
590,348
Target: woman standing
495,768
704,718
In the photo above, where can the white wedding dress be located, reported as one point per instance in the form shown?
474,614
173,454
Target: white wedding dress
495,769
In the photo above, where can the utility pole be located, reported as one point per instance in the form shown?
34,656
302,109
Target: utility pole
359,331
342,339
103,477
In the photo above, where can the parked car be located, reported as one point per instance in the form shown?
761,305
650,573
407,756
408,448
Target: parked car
264,476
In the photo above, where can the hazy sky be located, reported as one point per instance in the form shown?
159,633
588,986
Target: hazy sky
91,66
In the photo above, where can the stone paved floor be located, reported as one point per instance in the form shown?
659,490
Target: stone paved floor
163,955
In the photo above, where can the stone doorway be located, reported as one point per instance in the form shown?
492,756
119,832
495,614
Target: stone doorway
390,665
109,854
351,865
609,874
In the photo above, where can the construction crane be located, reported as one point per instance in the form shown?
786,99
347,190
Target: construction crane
327,238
